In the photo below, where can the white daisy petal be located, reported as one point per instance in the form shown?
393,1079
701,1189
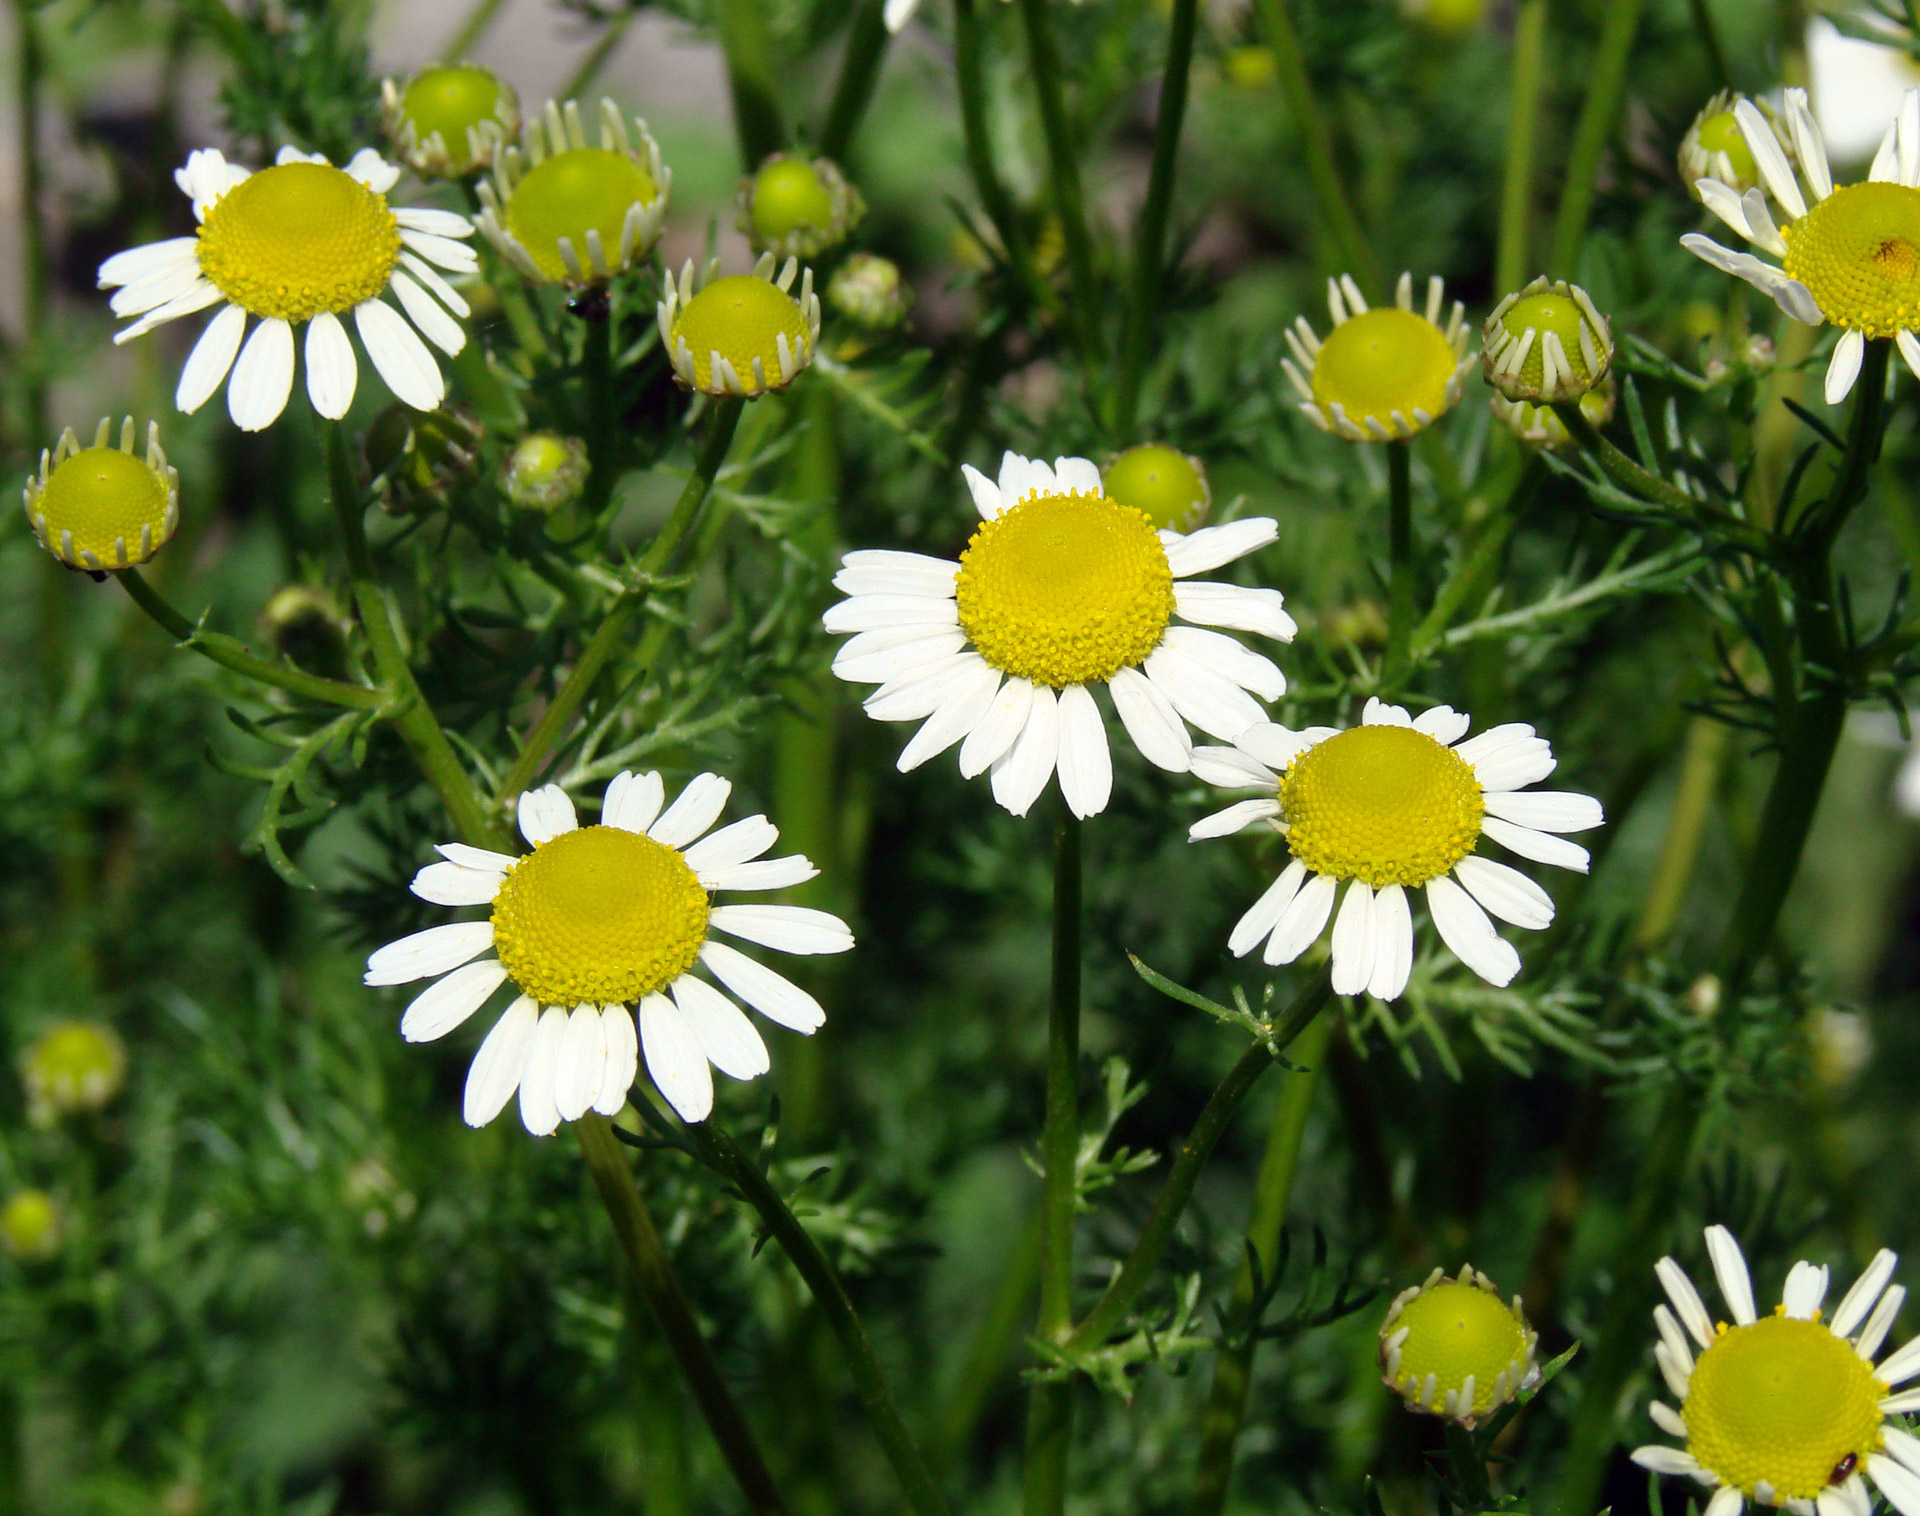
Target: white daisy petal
1151,721
1909,346
632,801
1301,921
1022,772
910,656
1880,1322
1085,762
196,298
1794,298
1858,1301
1469,935
1730,1269
1686,1300
1848,354
263,378
1244,610
138,264
867,613
582,1060
1726,1501
1257,925
1392,944
1900,1486
1903,1445
736,843
1770,158
539,1111
211,358
1666,1418
1277,746
435,281
1809,146
1212,546
767,874
1546,810
456,257
998,730
427,953
1016,474
923,692
1673,1337
483,859
1676,1377
784,928
697,807
1214,705
157,289
1077,476
1235,818
1665,1460
1378,712
1232,769
1444,725
875,571
676,1062
451,999
545,814
332,374
420,218
773,995
731,1042
440,329
1513,766
1805,1291
957,716
1493,740
1508,893
1899,1367
622,1039
1229,659
986,494
1541,847
1353,941
495,1072
1906,1403
1725,202
400,356
451,884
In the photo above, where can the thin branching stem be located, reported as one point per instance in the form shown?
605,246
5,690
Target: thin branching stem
860,64
1512,256
1604,86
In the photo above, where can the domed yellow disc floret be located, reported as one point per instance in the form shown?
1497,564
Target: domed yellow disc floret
450,99
1457,1331
1382,361
1720,133
1784,1402
583,189
599,916
1858,254
742,318
1546,312
1383,804
1165,483
298,239
1065,589
103,507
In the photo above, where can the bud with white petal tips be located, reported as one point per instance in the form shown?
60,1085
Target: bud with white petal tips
1715,147
1454,1348
742,335
102,507
1546,343
449,119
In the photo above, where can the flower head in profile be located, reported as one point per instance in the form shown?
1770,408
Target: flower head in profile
1060,589
104,507
596,923
449,119
300,244
1380,374
742,335
1849,254
565,212
1454,1348
1787,1409
1393,805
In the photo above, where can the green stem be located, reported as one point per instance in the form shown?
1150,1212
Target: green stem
1043,56
1602,105
867,42
1700,761
653,1271
742,25
1470,582
1624,472
1050,1410
1813,535
478,20
1400,559
863,1364
1703,23
566,700
412,717
596,373
1349,244
970,81
1192,1158
1149,248
1511,260
231,654
1272,1189
30,64
999,1327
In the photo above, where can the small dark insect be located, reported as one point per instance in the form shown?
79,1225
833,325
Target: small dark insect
1843,1468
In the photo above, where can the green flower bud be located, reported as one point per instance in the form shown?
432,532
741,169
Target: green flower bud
1538,426
450,119
546,471
1454,1348
796,208
104,507
1168,485
868,291
74,1068
30,1226
742,335
1546,342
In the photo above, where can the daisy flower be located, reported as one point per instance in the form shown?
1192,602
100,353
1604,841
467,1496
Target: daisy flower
301,242
596,922
1786,1409
1059,589
1852,257
1380,374
1392,805
1454,1348
742,335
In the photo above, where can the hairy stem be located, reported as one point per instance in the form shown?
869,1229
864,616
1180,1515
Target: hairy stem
1511,259
653,1272
1043,53
859,70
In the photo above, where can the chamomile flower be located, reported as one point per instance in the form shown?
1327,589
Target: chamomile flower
1715,147
1454,1348
1380,374
1787,1409
742,335
1851,257
104,507
301,243
450,118
1060,588
598,922
1396,804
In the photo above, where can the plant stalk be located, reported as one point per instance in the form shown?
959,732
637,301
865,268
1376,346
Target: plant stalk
1401,608
653,1272
744,36
1043,54
1703,23
1511,260
1597,115
596,372
866,47
970,81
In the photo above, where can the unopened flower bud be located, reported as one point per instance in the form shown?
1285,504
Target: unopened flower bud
450,119
1454,1348
30,1226
1166,484
868,291
742,335
104,507
797,208
1546,343
74,1068
1539,426
1715,147
546,471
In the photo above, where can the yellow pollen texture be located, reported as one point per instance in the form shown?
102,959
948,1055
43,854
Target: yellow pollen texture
298,239
740,317
1783,1402
1384,804
1858,254
1383,361
99,494
599,916
1065,589
1454,1330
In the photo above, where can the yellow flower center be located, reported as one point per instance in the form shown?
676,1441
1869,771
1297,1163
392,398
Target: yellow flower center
1454,1330
1720,133
1784,1402
741,317
1065,589
789,197
1160,481
583,189
1548,312
1382,361
599,916
298,239
101,494
1385,804
1858,253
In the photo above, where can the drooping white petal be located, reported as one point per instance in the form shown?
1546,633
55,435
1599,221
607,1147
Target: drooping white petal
1771,160
1258,923
1212,546
731,1042
1468,933
430,952
400,356
440,329
1232,769
784,928
1805,1290
583,1059
1235,818
263,378
1301,922
1674,1338
1848,354
957,716
1392,944
1353,941
1546,810
1541,847
1725,202
1858,1301
1151,721
1686,1300
1677,1378
451,999
1229,659
197,297
495,1072
773,995
332,374
676,1062
632,801
539,1111
1809,146
451,884
623,1059
1021,773
986,494
1793,297
996,732
1205,603
1508,893
546,813
1666,1418
695,809
1730,1269
138,264
1085,762
211,358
